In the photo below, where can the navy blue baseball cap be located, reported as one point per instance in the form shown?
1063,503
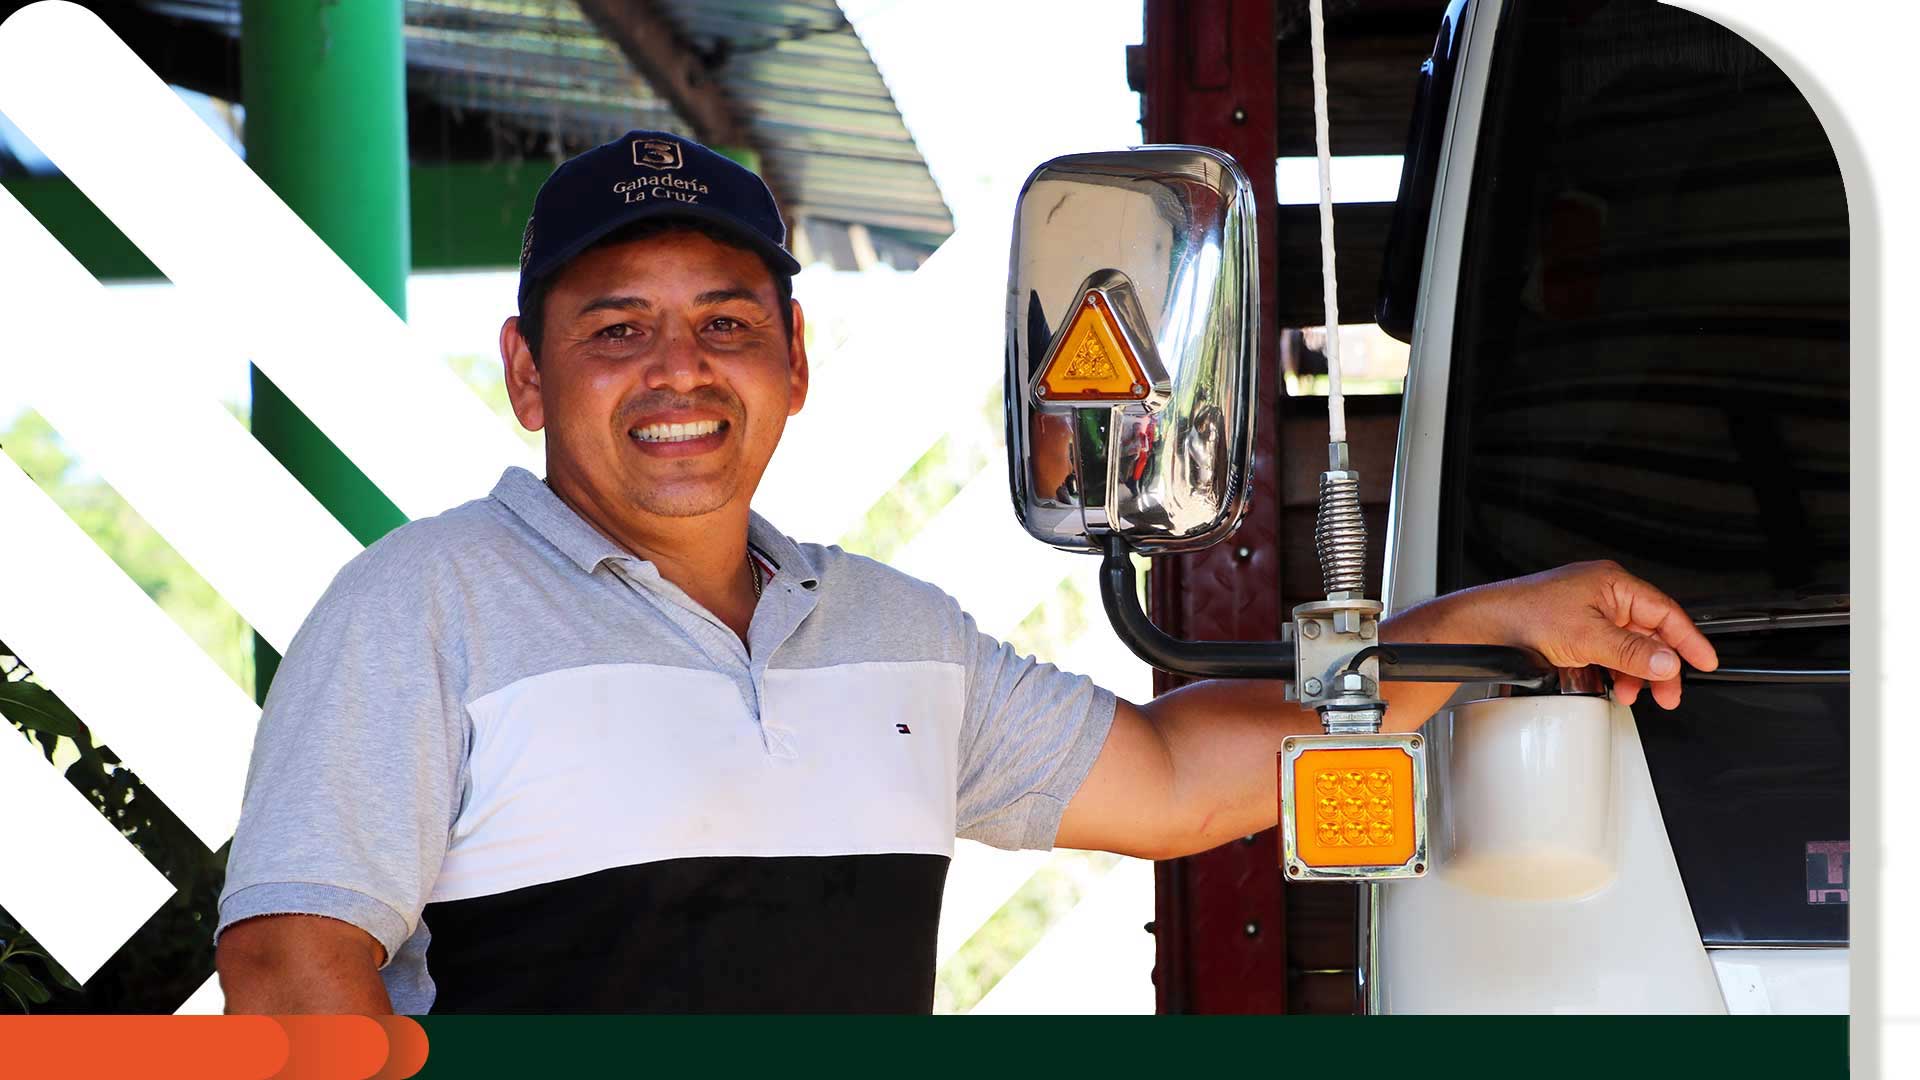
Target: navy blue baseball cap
640,176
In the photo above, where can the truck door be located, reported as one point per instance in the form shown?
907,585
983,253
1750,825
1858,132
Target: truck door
1631,343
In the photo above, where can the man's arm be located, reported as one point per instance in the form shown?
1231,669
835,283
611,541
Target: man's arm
301,964
351,795
1194,768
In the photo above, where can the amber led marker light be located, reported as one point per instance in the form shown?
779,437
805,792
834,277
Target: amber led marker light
1093,362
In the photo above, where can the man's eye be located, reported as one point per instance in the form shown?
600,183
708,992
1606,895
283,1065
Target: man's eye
616,332
726,325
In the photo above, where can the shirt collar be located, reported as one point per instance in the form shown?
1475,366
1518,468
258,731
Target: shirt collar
528,496
788,558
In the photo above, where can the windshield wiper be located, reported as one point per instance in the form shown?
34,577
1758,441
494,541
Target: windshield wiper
1802,610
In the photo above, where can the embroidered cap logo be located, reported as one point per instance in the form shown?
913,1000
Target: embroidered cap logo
657,153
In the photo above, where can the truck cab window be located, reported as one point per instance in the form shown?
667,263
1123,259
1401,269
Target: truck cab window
1650,365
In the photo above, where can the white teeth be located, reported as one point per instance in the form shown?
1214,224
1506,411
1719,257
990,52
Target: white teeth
698,429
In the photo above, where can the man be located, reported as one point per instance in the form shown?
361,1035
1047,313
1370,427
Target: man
613,742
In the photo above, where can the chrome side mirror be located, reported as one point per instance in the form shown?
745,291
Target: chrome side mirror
1132,327
1132,333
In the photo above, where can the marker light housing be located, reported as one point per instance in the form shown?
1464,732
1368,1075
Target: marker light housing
1353,807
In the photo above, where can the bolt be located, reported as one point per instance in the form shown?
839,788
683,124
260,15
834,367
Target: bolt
1312,687
1354,682
1419,868
1288,745
1149,928
1239,115
1253,929
1293,870
1243,553
1415,743
1310,629
1366,629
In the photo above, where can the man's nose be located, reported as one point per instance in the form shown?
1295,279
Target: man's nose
679,364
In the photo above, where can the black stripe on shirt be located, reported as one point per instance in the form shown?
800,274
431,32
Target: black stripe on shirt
792,934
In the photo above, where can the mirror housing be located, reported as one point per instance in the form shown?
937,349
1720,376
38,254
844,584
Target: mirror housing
1132,334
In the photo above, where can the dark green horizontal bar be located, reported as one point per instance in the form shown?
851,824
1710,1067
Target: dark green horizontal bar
1351,1048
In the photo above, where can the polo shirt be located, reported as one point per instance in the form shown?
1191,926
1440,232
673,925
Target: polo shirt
545,779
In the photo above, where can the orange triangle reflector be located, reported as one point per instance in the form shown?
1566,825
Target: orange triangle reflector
1091,362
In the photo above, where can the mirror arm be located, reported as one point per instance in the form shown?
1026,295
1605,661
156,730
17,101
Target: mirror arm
1202,659
1406,662
1433,662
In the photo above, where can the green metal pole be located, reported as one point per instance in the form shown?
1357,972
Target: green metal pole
324,84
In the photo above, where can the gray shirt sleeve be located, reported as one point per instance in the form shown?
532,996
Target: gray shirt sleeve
356,769
1031,734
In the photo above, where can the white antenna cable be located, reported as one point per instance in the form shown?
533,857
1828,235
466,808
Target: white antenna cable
1340,530
1336,400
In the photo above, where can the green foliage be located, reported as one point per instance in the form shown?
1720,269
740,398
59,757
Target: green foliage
1054,623
483,375
173,953
1017,927
134,546
926,488
25,970
906,508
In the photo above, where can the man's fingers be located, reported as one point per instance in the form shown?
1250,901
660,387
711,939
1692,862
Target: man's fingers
1626,689
1677,630
1667,694
1636,654
1649,607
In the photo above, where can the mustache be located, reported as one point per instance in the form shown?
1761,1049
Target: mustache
663,400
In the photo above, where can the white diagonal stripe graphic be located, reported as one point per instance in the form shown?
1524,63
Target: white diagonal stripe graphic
979,881
169,713
912,374
209,1000
976,550
67,875
117,397
253,270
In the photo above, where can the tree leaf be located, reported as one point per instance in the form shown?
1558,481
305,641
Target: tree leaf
65,980
54,971
36,709
24,986
59,974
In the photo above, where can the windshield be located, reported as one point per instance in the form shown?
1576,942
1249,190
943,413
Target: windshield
1650,362
1650,365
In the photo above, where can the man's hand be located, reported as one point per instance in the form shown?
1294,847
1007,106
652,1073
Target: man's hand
1194,768
301,964
1586,613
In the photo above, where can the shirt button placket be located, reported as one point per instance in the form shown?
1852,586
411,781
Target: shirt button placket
779,741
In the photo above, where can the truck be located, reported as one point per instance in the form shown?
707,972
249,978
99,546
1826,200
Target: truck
1619,256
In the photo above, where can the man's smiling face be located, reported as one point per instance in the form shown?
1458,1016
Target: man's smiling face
665,378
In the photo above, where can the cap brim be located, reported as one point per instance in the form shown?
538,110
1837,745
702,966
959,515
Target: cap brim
745,236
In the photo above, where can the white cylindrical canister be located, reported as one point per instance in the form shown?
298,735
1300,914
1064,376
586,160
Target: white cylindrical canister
1529,796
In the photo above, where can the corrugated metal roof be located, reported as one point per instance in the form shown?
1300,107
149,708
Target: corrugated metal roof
808,94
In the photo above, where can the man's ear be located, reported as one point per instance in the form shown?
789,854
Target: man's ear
797,371
523,376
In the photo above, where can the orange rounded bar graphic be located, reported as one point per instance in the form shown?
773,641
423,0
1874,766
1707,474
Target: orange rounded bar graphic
213,1047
